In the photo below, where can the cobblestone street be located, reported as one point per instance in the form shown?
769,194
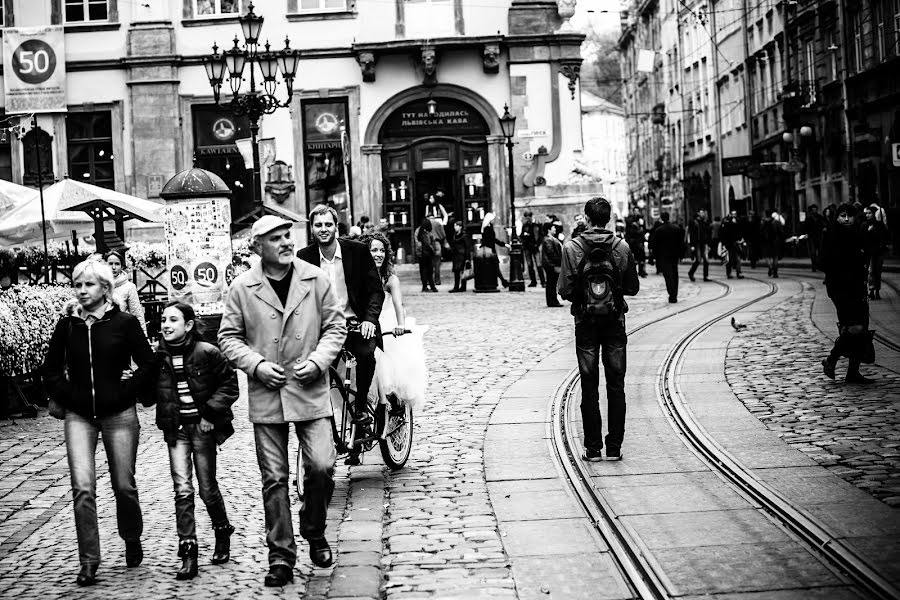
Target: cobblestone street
774,369
429,530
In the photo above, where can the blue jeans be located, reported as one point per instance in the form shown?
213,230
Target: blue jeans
201,447
120,440
594,341
317,445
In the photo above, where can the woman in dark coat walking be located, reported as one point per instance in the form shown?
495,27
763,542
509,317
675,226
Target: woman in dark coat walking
461,254
876,237
426,245
489,240
843,260
88,373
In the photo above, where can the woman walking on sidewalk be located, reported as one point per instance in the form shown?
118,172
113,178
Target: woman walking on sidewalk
843,260
489,241
425,242
461,253
876,238
195,389
87,373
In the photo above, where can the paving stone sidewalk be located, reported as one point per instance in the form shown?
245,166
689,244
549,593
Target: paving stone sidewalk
774,368
426,531
441,536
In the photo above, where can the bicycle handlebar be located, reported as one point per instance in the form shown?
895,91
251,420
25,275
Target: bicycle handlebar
354,326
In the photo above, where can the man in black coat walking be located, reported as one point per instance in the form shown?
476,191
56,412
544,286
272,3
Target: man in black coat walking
356,282
667,242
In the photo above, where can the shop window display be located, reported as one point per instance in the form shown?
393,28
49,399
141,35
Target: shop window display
326,157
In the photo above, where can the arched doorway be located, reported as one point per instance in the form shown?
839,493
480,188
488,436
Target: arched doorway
435,142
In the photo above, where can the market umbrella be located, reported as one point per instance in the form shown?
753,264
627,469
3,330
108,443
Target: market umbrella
22,224
13,194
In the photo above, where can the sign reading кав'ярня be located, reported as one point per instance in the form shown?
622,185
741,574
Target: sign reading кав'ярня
450,117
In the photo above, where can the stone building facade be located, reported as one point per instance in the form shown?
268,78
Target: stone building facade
393,100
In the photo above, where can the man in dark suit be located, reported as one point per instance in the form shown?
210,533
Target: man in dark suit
356,282
667,242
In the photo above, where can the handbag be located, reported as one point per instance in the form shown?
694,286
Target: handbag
467,272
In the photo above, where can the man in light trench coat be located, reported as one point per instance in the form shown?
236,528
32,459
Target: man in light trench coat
283,326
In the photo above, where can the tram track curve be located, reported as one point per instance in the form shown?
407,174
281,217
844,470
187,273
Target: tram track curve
640,571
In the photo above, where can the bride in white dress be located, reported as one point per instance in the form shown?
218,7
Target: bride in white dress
400,369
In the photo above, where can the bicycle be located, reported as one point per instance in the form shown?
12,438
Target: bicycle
391,417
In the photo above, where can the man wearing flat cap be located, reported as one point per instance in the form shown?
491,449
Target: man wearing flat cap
283,325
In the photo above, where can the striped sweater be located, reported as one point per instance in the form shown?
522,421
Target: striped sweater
187,408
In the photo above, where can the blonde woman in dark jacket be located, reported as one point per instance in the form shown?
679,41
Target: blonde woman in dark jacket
87,372
194,392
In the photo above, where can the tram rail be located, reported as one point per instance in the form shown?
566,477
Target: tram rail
640,571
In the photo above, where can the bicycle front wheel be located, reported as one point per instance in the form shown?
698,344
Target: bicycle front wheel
396,446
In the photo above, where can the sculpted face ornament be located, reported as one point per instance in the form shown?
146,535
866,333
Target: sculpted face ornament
429,66
491,58
367,62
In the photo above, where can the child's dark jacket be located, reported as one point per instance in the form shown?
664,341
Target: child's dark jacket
213,384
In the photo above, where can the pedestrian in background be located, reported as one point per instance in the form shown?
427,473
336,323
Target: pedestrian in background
489,241
532,237
87,372
440,244
876,236
425,244
551,262
461,255
813,229
651,258
753,238
195,388
699,238
844,263
731,236
125,293
635,233
294,303
434,209
714,236
596,286
773,236
667,243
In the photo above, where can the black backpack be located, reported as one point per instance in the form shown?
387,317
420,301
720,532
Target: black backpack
599,281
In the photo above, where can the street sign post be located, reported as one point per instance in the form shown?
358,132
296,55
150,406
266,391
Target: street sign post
34,67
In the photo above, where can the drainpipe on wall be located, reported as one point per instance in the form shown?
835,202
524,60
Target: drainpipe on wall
715,56
848,134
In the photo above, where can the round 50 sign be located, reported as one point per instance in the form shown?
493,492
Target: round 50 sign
34,61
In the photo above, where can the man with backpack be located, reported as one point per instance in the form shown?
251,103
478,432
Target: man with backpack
598,270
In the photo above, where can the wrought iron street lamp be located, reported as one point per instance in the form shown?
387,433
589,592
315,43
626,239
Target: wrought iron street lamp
516,280
254,102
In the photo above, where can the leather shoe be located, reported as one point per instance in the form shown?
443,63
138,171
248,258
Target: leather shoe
279,576
857,377
87,576
320,552
134,554
828,367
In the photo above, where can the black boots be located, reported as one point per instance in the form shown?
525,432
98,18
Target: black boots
87,576
222,552
134,554
187,551
854,376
